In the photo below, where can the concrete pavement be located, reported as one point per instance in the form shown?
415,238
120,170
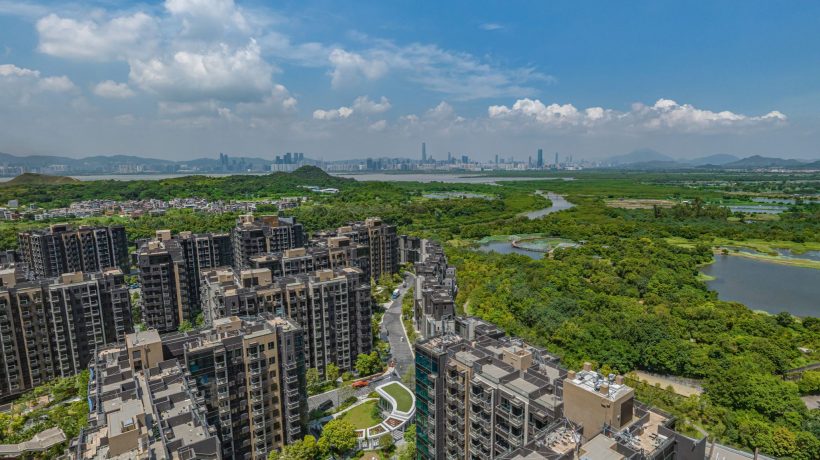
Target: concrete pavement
400,348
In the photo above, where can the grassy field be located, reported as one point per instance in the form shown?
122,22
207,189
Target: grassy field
639,203
767,249
805,263
363,416
704,277
403,399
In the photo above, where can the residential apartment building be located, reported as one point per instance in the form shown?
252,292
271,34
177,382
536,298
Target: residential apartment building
61,249
153,413
249,374
482,395
50,328
253,237
202,252
481,398
333,306
603,421
167,285
434,292
330,253
170,270
382,242
410,248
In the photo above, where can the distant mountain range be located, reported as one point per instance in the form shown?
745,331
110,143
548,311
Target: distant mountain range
52,164
648,159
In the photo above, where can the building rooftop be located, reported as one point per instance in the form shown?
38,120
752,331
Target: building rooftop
142,338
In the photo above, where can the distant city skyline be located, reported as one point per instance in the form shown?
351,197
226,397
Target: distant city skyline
185,79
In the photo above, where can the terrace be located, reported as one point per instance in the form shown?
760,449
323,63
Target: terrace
373,418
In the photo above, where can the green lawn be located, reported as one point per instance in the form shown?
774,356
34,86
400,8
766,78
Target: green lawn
362,416
403,398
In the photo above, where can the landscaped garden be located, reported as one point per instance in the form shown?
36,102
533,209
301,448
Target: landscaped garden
363,416
404,400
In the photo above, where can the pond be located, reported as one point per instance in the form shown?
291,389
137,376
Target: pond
504,247
774,200
757,209
534,247
766,286
457,195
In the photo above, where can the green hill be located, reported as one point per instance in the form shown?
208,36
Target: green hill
39,179
311,173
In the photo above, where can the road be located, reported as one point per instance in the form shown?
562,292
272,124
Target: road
392,327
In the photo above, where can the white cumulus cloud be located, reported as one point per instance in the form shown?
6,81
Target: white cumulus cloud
201,18
349,67
220,73
20,85
363,104
112,90
378,126
332,114
664,114
97,40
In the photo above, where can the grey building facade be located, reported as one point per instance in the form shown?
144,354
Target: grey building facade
249,374
61,249
166,285
153,413
435,291
333,306
50,328
382,241
253,237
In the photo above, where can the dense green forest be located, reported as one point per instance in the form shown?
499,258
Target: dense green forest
49,195
626,298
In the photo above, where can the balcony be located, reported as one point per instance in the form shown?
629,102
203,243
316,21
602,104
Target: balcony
517,421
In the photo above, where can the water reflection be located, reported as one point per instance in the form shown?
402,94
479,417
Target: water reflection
765,285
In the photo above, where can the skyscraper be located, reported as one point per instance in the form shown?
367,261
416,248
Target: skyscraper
424,152
556,159
540,158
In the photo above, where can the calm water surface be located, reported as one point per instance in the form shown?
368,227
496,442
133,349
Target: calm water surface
504,247
559,203
766,286
421,177
758,209
447,178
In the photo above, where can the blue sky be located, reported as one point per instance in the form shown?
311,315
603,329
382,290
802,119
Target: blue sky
342,79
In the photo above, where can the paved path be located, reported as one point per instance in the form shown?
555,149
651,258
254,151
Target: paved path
400,348
391,330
